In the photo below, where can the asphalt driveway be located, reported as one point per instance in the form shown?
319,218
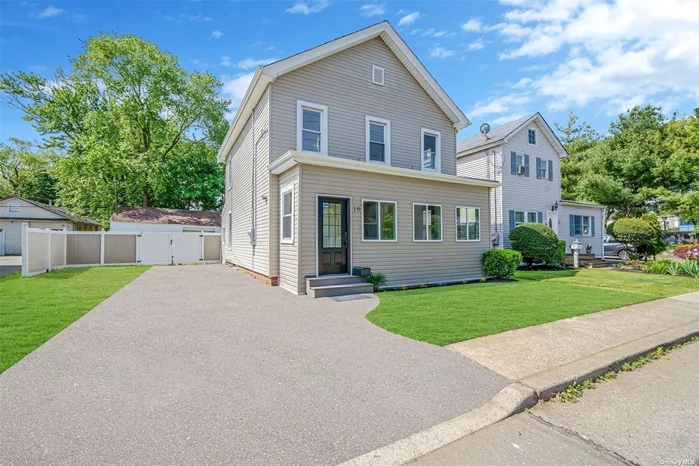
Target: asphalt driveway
205,365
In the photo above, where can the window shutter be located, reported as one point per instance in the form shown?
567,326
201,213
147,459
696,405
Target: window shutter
592,225
538,168
513,162
526,165
540,217
571,219
550,170
512,220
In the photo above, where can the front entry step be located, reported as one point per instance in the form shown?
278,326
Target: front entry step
323,287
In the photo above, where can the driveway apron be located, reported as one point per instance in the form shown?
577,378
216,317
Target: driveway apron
205,365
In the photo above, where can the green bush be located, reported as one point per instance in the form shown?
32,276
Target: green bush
501,263
641,234
659,267
675,268
657,244
562,245
377,279
691,268
538,244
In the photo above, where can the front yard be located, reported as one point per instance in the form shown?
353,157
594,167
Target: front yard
35,309
445,315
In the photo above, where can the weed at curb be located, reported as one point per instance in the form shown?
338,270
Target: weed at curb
574,392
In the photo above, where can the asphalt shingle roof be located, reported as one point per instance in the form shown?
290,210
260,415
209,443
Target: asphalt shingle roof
495,135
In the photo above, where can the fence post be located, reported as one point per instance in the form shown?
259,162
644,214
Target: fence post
50,250
138,248
172,249
202,245
25,250
65,247
102,247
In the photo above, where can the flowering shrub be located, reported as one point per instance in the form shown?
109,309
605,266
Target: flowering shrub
687,251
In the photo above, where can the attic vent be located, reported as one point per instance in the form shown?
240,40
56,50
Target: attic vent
377,75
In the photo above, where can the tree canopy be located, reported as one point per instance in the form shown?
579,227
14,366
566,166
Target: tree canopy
27,171
132,127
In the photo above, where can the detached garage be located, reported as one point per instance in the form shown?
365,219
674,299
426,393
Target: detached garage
14,211
158,219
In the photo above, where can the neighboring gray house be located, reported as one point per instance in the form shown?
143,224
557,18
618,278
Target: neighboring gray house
345,155
16,210
525,156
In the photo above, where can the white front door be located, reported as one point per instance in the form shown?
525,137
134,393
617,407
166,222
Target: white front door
552,220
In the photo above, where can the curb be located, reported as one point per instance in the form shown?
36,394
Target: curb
510,400
519,396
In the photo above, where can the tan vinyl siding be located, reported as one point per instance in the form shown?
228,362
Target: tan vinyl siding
404,261
288,253
240,197
83,249
342,82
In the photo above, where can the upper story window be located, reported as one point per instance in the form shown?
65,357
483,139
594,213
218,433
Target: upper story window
13,208
378,140
543,168
519,164
311,127
377,74
532,136
431,150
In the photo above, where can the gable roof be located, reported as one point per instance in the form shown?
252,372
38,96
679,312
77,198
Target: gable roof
267,74
502,133
161,215
61,211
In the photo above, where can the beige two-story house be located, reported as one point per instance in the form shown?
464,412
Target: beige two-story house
344,156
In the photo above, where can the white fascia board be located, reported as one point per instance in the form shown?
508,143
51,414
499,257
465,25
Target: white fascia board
256,89
291,158
581,204
475,150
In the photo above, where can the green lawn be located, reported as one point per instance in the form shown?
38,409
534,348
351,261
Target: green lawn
32,310
445,315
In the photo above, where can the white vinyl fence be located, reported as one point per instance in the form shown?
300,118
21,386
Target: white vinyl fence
46,250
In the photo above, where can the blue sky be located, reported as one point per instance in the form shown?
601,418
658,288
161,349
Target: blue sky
498,60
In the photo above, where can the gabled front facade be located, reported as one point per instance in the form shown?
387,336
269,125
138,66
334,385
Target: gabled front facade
343,156
525,157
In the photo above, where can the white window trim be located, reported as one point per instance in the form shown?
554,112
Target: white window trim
285,189
12,206
395,221
383,75
229,173
536,137
544,169
438,162
386,138
456,225
589,225
229,231
429,220
300,105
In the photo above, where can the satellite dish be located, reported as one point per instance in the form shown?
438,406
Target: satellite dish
485,129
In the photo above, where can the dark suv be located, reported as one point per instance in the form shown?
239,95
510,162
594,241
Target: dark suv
614,248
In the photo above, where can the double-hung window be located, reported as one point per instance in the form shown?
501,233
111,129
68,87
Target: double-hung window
531,133
379,221
311,127
427,222
287,221
378,140
519,218
586,226
581,225
431,150
531,217
468,224
543,168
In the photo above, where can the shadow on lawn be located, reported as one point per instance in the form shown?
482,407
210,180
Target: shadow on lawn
537,275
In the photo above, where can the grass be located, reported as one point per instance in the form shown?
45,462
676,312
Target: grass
445,315
35,309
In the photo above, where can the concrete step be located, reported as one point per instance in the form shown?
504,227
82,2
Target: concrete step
325,291
333,280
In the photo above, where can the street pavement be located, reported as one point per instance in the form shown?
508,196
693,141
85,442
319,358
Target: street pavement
648,416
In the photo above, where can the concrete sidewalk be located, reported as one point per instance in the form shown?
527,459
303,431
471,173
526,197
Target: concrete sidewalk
549,357
647,416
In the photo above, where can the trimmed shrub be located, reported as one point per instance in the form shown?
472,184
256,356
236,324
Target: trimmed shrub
634,233
687,251
537,243
501,263
562,246
659,267
657,243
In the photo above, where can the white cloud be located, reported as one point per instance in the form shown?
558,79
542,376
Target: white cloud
217,34
440,52
522,83
502,104
308,7
226,61
200,17
372,9
503,120
234,88
409,19
49,12
619,52
472,25
248,63
476,45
